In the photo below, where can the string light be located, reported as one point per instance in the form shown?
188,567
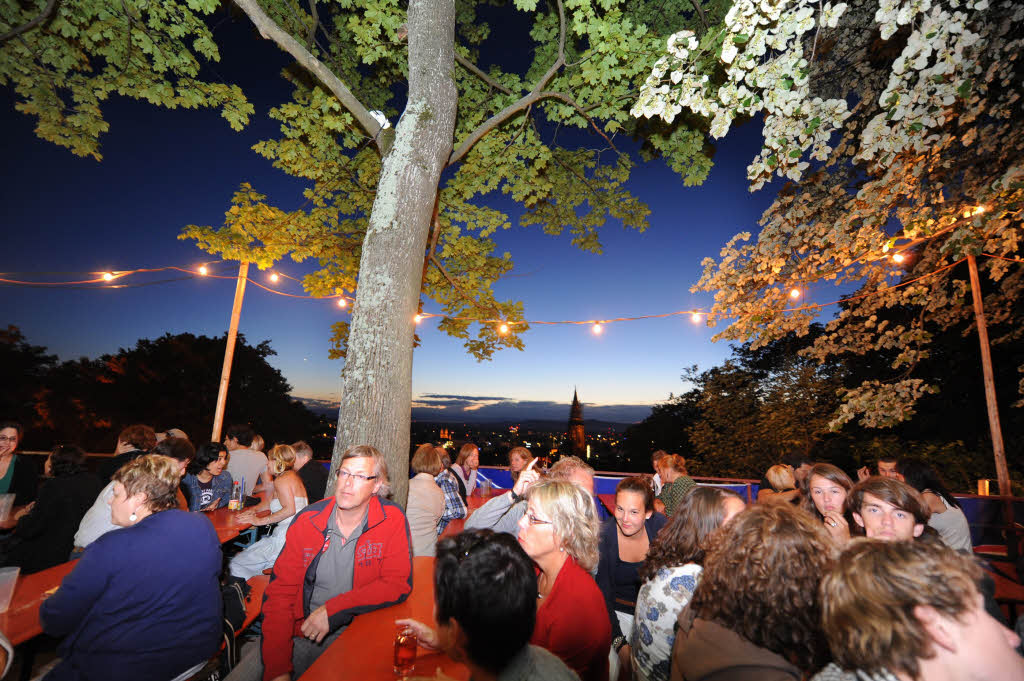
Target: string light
695,317
107,276
417,319
202,270
342,303
898,257
274,277
596,328
503,329
794,293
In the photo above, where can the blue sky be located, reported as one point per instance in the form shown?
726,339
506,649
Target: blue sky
165,169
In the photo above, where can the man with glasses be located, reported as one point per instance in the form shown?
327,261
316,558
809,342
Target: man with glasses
345,555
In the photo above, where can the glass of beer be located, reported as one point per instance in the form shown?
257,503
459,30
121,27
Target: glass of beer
405,650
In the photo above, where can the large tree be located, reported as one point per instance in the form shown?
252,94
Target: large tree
898,126
396,210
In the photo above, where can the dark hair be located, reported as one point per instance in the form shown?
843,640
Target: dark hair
921,477
683,539
796,460
175,447
760,580
205,455
888,458
640,484
66,460
13,424
485,581
140,436
242,432
892,491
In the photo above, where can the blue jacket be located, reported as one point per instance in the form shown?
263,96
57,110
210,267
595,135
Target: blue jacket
143,602
609,547
221,488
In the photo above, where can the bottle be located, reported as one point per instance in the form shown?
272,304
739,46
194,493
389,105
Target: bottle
235,502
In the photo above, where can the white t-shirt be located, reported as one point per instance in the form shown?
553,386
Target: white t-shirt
248,465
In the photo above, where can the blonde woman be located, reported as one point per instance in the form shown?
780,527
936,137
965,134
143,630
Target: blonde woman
559,531
288,499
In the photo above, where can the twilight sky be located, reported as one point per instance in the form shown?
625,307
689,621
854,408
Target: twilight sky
165,169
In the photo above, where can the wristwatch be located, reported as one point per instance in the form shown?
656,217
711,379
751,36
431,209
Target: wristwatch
619,641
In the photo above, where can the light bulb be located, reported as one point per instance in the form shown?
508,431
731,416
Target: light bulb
274,277
597,329
695,317
898,257
503,329
794,293
418,318
342,302
107,276
202,270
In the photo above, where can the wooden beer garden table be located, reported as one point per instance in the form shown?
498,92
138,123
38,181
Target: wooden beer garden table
473,502
21,621
366,649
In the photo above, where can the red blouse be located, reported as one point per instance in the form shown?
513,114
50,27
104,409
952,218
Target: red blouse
572,622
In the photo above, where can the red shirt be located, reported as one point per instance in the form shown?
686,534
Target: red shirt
572,622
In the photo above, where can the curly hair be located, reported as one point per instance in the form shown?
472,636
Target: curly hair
870,595
830,473
139,436
684,537
67,460
761,577
154,476
573,518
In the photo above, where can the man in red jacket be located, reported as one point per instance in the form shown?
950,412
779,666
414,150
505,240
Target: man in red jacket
345,555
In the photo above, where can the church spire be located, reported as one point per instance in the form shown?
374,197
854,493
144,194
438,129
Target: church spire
577,436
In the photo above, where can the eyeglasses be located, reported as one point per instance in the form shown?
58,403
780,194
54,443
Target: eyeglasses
344,475
534,520
4,438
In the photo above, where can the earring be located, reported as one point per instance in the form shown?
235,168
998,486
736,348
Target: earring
561,548
133,517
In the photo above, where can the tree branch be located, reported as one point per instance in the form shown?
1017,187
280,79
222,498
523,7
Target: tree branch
312,29
700,13
271,31
476,71
523,102
47,11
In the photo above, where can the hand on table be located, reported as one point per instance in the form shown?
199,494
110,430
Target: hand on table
316,625
24,511
427,636
212,506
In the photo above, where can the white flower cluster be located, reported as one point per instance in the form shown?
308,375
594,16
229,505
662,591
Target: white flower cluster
927,79
767,73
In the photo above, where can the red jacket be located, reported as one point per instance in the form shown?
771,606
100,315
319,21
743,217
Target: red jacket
572,623
382,576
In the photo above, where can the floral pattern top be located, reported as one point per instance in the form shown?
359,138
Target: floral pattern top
659,603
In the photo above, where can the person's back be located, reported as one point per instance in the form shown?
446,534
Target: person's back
246,465
157,601
314,479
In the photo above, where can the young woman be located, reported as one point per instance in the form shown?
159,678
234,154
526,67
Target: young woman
466,465
207,483
824,498
289,498
625,540
426,501
670,575
559,531
947,518
518,459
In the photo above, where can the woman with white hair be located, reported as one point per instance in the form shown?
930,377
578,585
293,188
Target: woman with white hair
559,531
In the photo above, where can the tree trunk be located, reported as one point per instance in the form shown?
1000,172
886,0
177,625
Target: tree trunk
377,379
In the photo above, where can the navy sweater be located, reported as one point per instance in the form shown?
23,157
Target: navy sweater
143,602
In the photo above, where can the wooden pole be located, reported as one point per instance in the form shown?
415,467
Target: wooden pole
1002,472
229,352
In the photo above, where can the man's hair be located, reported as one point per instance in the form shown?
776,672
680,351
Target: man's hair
830,473
761,577
888,458
870,594
426,460
380,466
465,451
780,477
176,448
153,475
573,518
242,432
302,448
67,460
796,460
683,539
486,582
139,436
205,455
639,484
13,424
896,492
442,454
566,466
656,456
281,458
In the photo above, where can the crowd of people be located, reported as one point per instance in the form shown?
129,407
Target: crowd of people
820,579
